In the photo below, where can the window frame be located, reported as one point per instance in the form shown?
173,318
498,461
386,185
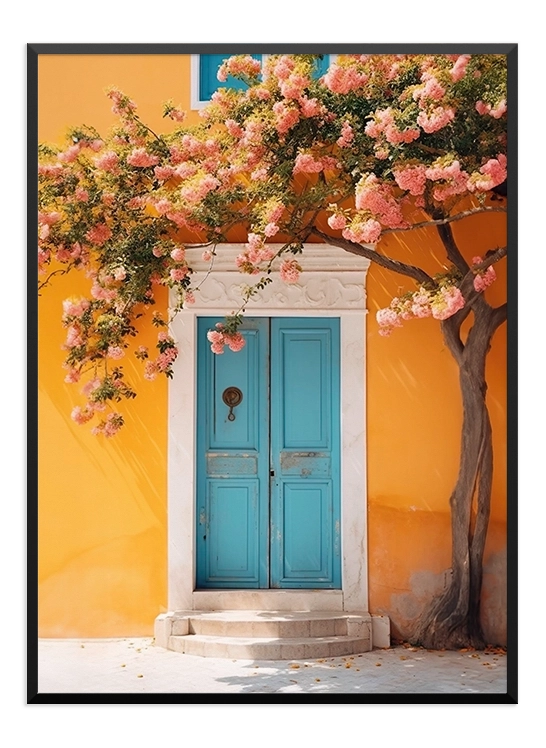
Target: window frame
197,103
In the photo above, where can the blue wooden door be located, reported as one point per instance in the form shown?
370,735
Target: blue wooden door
268,503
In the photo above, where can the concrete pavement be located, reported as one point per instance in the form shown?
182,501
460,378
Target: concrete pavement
136,665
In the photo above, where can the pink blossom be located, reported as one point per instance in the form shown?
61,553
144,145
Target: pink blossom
74,307
81,194
283,67
286,117
347,135
259,175
207,255
447,302
244,65
49,218
294,86
337,221
178,254
99,234
271,229
458,70
177,114
189,298
82,416
436,119
290,271
70,155
120,273
377,198
73,337
150,371
107,161
163,206
483,278
490,175
91,387
140,157
411,178
115,351
367,232
310,107
163,172
178,274
235,342
344,79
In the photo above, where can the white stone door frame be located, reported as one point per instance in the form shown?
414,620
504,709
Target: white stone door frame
332,285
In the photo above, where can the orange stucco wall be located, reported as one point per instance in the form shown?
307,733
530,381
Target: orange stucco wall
102,504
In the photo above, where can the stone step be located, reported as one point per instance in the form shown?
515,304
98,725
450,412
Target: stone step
270,624
271,600
269,648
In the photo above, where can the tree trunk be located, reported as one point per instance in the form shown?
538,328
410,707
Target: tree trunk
453,619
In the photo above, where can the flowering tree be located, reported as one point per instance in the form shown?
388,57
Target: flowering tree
381,143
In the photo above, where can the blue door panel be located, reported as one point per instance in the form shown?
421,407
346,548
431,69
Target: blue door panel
307,555
232,509
268,497
305,447
233,462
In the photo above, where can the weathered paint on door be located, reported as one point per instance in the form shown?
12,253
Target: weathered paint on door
268,499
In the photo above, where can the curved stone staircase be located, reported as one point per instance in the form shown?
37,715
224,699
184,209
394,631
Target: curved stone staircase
267,635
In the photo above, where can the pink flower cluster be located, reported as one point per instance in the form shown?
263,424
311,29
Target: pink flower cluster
347,135
430,90
378,198
99,234
109,427
411,178
342,79
383,125
454,180
483,278
337,221
219,339
140,157
496,111
306,163
290,271
285,117
198,188
255,252
446,302
239,65
440,304
363,231
436,119
490,175
458,71
107,161
164,361
75,307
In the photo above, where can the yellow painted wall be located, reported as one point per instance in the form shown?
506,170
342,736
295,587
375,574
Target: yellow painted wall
102,504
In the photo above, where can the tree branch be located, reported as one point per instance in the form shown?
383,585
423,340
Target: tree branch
443,221
358,249
452,250
499,316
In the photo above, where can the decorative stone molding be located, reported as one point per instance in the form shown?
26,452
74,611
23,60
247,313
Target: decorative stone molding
331,279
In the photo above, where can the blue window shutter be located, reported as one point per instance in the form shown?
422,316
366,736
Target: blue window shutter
321,66
208,71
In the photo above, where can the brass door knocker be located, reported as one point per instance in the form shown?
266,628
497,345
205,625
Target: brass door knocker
232,396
